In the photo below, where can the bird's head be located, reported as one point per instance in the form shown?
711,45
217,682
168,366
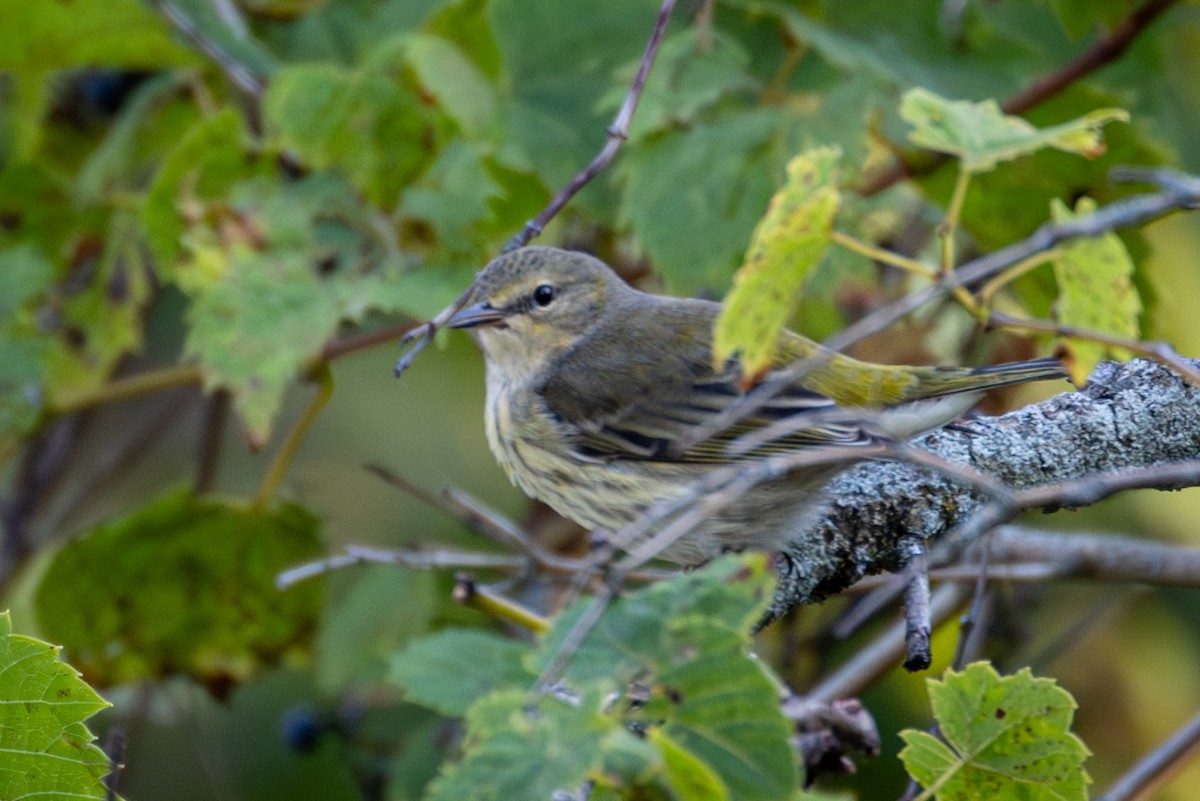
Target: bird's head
529,306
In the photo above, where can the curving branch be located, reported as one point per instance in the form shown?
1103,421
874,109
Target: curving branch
1135,425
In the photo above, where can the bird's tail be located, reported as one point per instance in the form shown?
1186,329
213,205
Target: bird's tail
1000,375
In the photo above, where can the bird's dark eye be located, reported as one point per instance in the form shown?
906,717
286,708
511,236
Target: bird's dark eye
544,294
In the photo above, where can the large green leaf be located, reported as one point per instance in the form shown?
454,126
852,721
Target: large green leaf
205,164
367,124
692,198
669,662
558,63
187,586
46,750
515,749
1001,737
452,669
685,640
272,270
63,33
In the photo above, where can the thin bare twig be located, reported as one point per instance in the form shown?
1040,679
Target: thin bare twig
918,623
238,73
1160,352
414,560
618,132
1097,557
1158,765
482,520
575,637
884,653
1105,50
1079,492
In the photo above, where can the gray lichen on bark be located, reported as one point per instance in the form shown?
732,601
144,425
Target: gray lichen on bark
1130,415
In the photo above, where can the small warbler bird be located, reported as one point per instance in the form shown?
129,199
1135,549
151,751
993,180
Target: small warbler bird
593,388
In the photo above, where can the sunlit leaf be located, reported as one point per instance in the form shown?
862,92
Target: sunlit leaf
788,242
982,136
1096,292
47,750
185,586
1001,737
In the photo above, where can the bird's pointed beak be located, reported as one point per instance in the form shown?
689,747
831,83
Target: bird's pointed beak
473,316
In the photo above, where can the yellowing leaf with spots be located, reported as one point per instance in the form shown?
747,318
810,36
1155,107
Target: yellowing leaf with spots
787,243
1096,292
982,135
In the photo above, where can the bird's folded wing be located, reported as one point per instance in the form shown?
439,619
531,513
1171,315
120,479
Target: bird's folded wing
651,424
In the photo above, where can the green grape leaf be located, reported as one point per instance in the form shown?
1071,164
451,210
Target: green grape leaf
516,749
689,76
646,631
687,774
455,83
723,709
252,330
1096,292
692,198
982,136
1002,737
455,195
48,750
147,123
364,123
452,669
204,165
187,586
555,67
707,713
788,242
686,639
272,269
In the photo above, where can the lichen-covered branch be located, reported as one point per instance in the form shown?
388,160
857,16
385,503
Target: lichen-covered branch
1131,416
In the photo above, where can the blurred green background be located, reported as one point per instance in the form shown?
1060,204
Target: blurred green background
438,128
